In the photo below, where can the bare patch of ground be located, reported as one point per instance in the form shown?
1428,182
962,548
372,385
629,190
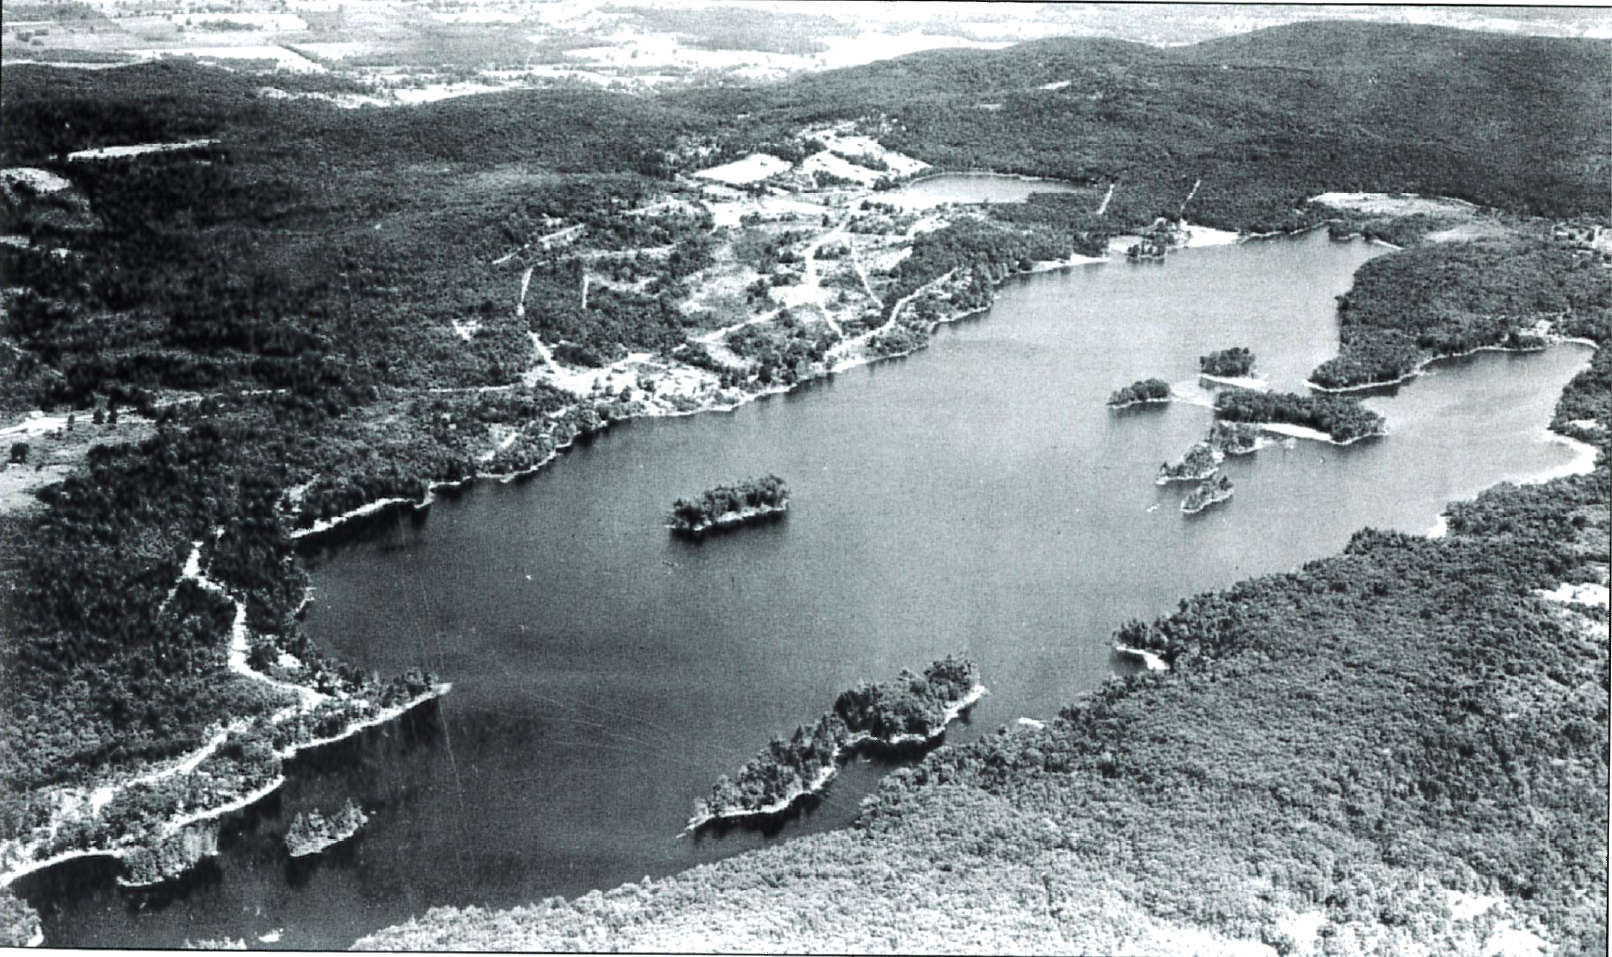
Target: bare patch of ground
1397,204
54,452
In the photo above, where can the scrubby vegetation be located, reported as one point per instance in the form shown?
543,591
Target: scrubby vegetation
1234,438
1140,391
167,859
1265,120
1206,493
730,504
1342,418
19,923
912,709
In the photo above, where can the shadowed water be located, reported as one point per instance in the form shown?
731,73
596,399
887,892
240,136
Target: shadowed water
972,188
977,497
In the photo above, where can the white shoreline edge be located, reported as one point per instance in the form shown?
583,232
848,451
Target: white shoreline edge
1136,402
1252,383
1149,658
174,825
732,518
1314,435
827,774
1213,500
1421,367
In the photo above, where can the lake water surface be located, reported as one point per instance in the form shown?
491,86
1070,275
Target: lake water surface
973,188
977,497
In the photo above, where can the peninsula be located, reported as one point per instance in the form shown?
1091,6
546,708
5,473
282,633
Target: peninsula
910,711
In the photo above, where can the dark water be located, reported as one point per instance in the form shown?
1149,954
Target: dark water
973,188
977,497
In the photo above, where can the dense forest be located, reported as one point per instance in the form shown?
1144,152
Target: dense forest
1450,298
1233,438
730,504
912,709
1342,418
1235,362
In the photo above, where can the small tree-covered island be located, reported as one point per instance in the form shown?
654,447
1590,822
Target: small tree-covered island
728,505
1140,392
910,711
1234,363
1199,462
1206,493
313,832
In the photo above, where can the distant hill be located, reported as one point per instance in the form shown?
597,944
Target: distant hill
1265,119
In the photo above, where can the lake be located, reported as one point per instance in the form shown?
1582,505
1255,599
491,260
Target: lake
976,497
972,188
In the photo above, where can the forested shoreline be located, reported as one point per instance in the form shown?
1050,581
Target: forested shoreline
913,709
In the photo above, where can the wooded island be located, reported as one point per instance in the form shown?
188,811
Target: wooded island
1138,392
730,505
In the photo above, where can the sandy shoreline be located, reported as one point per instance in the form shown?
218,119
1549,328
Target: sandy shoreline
1251,383
1136,402
728,519
1150,659
1582,463
1314,435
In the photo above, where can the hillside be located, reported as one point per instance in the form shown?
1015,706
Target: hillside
1265,120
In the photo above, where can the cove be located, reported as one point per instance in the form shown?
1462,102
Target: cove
976,497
